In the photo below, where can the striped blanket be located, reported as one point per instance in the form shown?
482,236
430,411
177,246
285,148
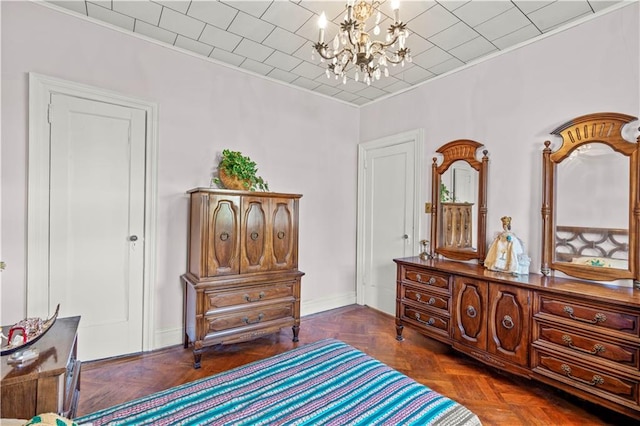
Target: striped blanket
327,382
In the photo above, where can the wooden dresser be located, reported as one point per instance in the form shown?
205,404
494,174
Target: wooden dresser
49,384
581,337
243,280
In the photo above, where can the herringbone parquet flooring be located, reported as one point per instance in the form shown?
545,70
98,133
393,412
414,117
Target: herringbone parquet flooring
497,398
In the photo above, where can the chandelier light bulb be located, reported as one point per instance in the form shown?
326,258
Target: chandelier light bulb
386,72
376,30
344,79
357,76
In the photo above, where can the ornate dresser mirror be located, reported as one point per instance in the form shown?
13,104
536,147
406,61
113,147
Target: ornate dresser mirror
591,200
459,201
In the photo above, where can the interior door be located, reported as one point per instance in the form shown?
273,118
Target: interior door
96,245
388,219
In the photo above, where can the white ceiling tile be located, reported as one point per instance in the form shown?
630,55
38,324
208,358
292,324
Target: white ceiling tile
76,6
179,5
284,62
353,86
385,82
327,90
346,96
143,10
431,57
255,8
411,9
154,32
598,5
219,38
257,67
433,21
332,9
193,45
110,16
558,12
227,57
304,53
473,49
331,81
308,70
213,12
181,24
477,12
361,101
453,4
287,15
446,66
397,86
284,41
503,24
253,50
278,74
250,27
528,6
306,83
417,44
398,69
454,36
108,4
310,30
523,34
371,92
415,75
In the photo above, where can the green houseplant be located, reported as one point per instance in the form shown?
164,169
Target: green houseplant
237,171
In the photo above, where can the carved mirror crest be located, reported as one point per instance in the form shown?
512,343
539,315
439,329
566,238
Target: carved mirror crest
591,200
459,201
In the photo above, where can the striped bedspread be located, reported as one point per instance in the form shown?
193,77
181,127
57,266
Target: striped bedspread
327,382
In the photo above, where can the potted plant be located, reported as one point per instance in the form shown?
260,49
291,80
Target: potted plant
237,171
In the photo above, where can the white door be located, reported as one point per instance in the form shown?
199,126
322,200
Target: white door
388,220
96,244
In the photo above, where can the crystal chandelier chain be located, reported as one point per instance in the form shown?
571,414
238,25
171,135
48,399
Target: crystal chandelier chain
353,47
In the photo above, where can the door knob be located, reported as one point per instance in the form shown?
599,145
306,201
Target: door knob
405,236
133,238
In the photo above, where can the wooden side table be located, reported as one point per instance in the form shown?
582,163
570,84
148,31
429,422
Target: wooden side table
51,383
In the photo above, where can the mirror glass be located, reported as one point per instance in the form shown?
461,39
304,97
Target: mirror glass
459,207
590,227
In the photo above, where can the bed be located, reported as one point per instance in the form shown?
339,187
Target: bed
326,382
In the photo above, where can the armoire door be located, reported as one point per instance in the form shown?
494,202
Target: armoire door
254,235
469,312
222,240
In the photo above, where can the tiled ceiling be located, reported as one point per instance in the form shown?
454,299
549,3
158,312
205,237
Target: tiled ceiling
275,38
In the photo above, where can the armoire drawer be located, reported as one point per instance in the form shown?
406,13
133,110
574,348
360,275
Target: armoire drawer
429,321
593,315
584,377
425,297
426,278
246,296
596,348
249,317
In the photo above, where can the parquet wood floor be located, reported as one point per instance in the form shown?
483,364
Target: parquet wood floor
497,398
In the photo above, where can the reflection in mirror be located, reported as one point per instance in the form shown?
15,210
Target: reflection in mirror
591,199
587,232
459,206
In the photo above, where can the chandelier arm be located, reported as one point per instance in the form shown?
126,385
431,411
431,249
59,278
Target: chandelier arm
322,52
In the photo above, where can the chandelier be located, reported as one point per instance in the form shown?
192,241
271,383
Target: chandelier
353,47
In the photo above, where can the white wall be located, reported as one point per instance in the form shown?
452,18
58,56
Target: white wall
303,143
512,102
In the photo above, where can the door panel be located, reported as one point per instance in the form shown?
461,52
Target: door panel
96,243
223,236
509,323
284,234
469,312
254,235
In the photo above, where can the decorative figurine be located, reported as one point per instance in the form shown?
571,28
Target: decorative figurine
506,252
424,255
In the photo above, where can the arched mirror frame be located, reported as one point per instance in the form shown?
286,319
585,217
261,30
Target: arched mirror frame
605,128
465,150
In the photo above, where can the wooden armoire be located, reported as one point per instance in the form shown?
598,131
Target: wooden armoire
242,280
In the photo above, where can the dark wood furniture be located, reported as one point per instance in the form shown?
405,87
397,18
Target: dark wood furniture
457,226
581,337
243,280
51,383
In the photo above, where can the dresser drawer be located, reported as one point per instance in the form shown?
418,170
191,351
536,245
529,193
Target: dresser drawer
594,347
426,298
426,278
589,314
246,296
584,377
264,314
428,321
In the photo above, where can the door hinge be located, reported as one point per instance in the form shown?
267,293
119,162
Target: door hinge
50,113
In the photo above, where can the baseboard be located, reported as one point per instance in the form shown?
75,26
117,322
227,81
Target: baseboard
327,303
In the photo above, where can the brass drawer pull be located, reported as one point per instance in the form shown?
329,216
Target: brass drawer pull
431,321
224,236
597,380
596,318
246,319
431,301
431,281
507,322
471,312
597,348
254,236
280,235
249,299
